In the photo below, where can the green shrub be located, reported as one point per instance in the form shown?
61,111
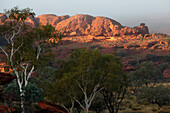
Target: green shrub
166,58
133,62
121,54
162,67
33,94
95,46
159,95
151,57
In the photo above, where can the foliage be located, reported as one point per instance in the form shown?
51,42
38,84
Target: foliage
146,74
159,95
151,57
162,67
19,15
95,46
82,76
166,58
115,91
133,62
98,105
33,94
121,54
46,72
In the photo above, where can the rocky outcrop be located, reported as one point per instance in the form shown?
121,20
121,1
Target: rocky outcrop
75,25
51,19
80,25
102,26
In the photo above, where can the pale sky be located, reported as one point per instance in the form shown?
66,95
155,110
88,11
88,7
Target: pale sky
155,13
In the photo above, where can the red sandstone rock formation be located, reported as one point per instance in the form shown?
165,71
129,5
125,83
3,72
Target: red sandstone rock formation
51,19
75,25
80,25
96,26
102,26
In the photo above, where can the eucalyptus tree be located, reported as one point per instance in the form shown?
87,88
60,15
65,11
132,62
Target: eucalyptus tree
81,77
27,47
159,95
146,75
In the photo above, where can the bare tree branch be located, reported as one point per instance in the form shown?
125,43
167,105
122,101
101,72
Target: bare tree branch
29,74
39,51
18,48
7,39
5,52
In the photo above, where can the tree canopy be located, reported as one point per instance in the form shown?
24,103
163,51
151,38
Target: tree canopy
83,75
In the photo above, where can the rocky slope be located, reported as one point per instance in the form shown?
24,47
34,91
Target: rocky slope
80,25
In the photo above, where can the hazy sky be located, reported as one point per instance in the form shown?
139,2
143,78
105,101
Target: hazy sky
155,13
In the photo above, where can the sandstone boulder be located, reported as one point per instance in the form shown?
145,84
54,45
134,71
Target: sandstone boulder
142,29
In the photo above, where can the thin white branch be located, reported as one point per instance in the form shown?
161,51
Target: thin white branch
80,86
39,51
75,100
18,48
94,94
22,79
13,35
12,52
25,74
7,39
18,79
83,90
79,104
5,52
72,105
29,74
19,28
65,108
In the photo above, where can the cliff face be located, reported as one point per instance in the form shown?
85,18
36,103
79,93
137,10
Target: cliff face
80,25
51,19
